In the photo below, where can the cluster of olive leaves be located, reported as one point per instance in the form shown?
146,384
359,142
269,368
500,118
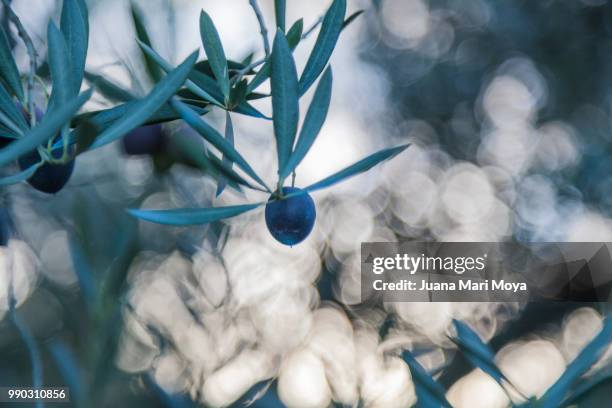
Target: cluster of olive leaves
186,92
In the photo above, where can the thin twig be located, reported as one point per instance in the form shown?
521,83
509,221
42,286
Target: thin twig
312,28
262,26
32,55
241,73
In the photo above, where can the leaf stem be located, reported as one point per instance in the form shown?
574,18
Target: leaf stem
243,71
262,26
25,37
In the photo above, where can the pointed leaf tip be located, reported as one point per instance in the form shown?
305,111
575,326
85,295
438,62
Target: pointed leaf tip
214,51
324,45
361,166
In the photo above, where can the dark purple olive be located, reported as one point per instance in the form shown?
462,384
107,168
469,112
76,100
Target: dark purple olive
150,139
290,220
49,178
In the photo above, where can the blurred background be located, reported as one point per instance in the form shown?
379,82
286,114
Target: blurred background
507,106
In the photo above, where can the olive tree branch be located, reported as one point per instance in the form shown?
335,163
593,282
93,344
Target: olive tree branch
32,55
262,26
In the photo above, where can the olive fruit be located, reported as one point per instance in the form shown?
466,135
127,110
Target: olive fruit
48,178
149,139
290,220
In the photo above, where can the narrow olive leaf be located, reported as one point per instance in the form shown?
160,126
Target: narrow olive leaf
221,170
285,102
60,66
247,109
71,372
21,176
315,117
142,110
583,388
5,132
357,168
325,44
253,96
238,94
294,35
192,216
207,83
75,29
142,35
577,368
430,394
280,10
229,136
191,150
167,67
204,66
214,52
476,351
85,135
108,89
83,6
11,110
8,68
8,128
48,128
262,75
351,18
245,62
104,118
214,138
210,86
